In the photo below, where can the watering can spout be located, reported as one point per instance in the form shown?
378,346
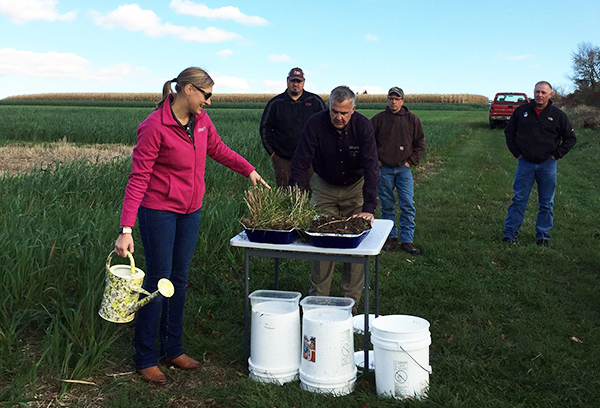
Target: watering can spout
165,288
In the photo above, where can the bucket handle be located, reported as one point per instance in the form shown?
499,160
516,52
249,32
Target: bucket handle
428,369
396,345
131,262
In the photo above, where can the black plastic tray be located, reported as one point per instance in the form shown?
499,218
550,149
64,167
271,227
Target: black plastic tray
328,240
271,236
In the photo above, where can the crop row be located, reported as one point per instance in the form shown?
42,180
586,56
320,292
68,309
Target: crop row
238,97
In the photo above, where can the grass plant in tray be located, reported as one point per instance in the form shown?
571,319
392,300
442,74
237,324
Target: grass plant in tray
276,214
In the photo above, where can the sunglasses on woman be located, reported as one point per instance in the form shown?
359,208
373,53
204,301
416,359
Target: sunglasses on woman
207,95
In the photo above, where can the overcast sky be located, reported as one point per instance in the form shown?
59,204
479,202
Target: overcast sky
477,47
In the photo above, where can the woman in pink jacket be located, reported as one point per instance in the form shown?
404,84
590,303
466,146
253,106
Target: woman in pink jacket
165,191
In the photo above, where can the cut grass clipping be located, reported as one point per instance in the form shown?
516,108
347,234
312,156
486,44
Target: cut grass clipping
278,209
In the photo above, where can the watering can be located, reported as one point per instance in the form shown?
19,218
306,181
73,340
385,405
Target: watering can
123,288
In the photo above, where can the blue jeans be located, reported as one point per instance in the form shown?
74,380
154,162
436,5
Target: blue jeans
169,240
400,178
544,174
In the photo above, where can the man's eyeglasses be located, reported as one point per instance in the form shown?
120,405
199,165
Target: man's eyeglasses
207,95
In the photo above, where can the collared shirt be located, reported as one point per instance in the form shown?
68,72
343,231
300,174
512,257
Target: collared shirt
341,158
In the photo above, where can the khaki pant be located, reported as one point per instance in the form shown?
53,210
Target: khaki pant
281,169
344,202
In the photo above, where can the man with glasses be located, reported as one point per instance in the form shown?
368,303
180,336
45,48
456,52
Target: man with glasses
282,122
400,146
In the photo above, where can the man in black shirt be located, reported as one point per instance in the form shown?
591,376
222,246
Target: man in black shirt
282,121
340,145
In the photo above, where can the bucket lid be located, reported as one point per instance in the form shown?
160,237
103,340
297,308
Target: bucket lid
358,323
311,302
259,296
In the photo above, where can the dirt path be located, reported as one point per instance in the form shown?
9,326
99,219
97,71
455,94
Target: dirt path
21,158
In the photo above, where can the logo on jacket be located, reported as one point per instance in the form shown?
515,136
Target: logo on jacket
308,104
202,129
526,114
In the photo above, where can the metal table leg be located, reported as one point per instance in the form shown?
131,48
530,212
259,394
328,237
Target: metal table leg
366,327
246,305
376,285
276,273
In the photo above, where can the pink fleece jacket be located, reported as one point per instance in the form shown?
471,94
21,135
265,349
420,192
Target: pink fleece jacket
168,169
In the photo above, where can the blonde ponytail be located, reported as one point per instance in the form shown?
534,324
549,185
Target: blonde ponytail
192,75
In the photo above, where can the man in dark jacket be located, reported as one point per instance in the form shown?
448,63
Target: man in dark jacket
340,145
282,121
400,146
538,134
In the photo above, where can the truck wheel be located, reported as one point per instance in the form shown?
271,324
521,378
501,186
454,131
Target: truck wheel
492,124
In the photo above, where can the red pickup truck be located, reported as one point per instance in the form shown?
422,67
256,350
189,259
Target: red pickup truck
503,106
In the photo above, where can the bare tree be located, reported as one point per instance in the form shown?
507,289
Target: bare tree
586,67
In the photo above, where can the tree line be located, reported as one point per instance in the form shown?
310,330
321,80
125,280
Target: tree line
585,76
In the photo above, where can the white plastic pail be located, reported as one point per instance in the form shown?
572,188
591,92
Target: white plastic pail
327,364
275,347
401,345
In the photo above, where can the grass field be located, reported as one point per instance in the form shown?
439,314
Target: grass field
512,326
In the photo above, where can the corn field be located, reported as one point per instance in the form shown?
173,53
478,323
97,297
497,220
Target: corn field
238,97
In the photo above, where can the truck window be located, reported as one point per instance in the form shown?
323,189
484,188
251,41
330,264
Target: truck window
510,98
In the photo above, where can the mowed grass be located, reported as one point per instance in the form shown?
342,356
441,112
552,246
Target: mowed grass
512,326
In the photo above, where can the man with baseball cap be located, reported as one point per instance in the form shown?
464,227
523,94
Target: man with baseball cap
400,146
282,121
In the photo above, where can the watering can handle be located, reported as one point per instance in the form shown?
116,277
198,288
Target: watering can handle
131,261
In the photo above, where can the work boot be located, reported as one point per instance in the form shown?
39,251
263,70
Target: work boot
410,248
391,244
509,240
183,362
543,242
153,375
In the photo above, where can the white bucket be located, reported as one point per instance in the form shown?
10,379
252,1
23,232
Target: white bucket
401,345
327,364
275,347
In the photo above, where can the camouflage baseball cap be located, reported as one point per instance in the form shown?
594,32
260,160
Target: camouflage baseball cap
397,91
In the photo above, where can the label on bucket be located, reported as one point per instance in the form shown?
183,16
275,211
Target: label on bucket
400,378
309,349
347,350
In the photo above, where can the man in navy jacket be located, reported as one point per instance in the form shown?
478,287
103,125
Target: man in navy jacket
538,134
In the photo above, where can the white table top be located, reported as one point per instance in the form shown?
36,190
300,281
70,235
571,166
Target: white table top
371,245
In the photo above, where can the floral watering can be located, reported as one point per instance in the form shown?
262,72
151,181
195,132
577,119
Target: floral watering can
123,288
